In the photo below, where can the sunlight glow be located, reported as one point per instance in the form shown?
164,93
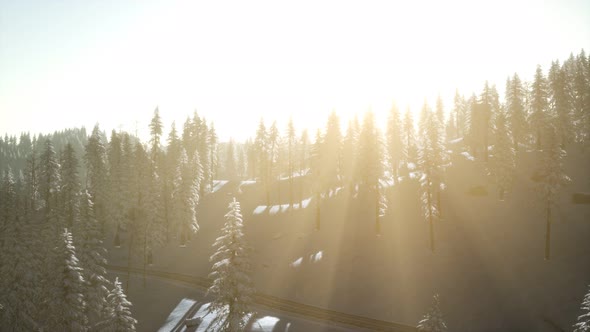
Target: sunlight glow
263,59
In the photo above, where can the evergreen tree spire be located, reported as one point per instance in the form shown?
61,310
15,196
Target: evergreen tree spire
583,324
433,320
232,289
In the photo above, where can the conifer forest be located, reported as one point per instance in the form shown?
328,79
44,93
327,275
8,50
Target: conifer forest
468,213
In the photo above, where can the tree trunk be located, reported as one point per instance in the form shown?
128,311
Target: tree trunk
377,224
317,211
430,221
144,254
438,204
548,232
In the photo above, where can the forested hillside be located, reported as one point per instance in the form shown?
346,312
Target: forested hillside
66,197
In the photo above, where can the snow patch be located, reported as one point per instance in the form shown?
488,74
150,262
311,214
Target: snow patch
467,156
282,208
218,184
264,324
297,262
314,258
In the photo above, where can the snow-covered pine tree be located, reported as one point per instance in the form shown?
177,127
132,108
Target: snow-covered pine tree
315,169
553,178
303,159
409,137
17,290
70,186
31,183
370,166
515,110
395,145
459,110
213,153
504,155
49,176
155,134
273,155
539,104
261,160
331,151
430,160
348,156
204,148
583,323
96,174
118,316
485,105
66,305
559,103
232,288
92,253
230,168
433,320
291,148
186,196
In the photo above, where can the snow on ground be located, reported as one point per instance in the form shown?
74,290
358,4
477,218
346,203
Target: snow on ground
296,174
281,208
467,155
177,314
456,140
218,184
313,258
163,303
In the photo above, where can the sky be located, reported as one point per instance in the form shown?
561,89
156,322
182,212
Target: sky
77,63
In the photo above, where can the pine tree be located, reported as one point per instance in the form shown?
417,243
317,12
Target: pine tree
303,159
486,117
553,178
370,165
261,148
232,289
291,146
186,197
315,163
459,110
66,303
559,102
273,155
331,150
118,313
17,288
96,178
504,155
409,137
539,104
156,133
395,145
349,146
430,161
583,324
92,253
433,320
31,183
231,169
49,176
70,185
213,153
515,109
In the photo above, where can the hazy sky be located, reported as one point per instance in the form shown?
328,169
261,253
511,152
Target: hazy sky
74,63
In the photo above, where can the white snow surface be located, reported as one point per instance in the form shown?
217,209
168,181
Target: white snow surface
467,155
281,208
218,184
